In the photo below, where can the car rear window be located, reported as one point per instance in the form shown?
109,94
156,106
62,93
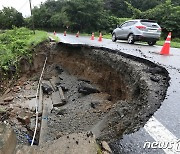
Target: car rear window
149,24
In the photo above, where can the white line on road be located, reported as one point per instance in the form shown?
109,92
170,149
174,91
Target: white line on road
161,135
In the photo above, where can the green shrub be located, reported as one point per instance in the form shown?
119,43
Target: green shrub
16,43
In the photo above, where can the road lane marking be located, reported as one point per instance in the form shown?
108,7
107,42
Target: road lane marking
160,134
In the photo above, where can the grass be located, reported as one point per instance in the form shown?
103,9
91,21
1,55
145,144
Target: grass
16,43
57,39
174,43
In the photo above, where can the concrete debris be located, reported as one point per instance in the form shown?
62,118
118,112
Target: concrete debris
59,69
9,99
30,96
28,87
84,80
7,91
25,120
56,99
76,143
155,70
64,88
155,79
106,148
87,89
8,140
62,112
16,88
61,93
47,89
2,111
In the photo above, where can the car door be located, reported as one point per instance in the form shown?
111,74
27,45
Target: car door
120,31
128,29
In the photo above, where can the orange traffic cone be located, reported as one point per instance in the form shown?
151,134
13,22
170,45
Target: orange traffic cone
54,32
92,37
77,34
166,47
100,37
64,33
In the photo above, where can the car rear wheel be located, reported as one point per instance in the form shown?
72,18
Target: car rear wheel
151,43
131,39
114,37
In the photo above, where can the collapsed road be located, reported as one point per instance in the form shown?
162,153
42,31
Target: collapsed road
84,89
166,128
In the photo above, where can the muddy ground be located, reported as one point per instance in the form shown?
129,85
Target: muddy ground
128,90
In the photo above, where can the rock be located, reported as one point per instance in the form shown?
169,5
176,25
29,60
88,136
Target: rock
4,114
76,143
105,147
60,134
8,99
89,134
24,119
12,68
65,89
87,89
59,69
62,112
47,89
2,111
155,79
7,140
28,87
4,103
51,39
155,70
93,105
7,91
16,88
84,80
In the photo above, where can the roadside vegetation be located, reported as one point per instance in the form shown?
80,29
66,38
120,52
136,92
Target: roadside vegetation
174,43
95,15
87,16
16,43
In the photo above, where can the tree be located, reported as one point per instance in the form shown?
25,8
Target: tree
117,8
166,14
85,14
10,17
41,17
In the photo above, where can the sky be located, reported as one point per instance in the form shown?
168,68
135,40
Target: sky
20,5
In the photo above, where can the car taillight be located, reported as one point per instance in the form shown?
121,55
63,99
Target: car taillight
141,27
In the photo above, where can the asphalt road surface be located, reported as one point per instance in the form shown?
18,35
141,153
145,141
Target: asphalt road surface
161,134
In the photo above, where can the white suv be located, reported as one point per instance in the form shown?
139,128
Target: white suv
138,30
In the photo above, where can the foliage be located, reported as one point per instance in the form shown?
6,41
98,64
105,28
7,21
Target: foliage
117,8
10,17
77,15
95,15
16,43
174,43
166,14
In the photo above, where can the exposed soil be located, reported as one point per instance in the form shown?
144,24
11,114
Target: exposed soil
131,90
